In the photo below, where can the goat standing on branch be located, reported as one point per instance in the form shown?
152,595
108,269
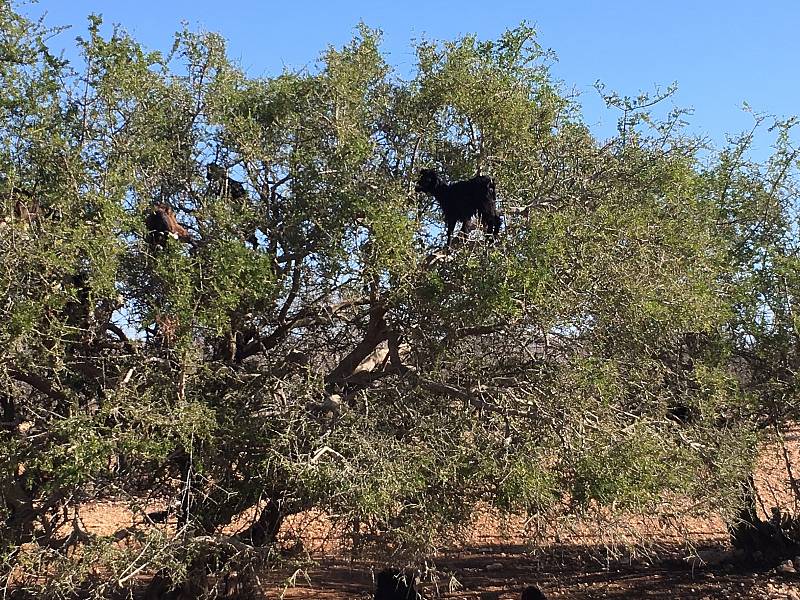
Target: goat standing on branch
28,209
462,200
227,187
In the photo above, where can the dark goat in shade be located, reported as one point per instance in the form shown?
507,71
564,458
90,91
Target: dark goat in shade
392,584
225,185
29,210
26,207
462,200
532,593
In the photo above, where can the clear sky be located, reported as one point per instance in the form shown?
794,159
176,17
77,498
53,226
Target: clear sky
720,52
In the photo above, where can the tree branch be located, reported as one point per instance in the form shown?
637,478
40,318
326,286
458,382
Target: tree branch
377,332
39,384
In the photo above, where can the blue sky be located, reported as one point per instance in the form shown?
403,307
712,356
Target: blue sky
721,53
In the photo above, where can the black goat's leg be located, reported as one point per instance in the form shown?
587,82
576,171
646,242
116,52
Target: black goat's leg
468,226
491,224
451,225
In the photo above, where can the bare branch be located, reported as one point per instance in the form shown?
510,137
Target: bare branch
39,384
377,332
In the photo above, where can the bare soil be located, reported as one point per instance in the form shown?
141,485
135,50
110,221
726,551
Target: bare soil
574,572
650,558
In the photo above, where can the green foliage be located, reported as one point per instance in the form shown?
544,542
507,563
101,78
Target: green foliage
632,468
313,349
527,485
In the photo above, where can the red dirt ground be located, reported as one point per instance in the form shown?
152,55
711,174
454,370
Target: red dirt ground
685,558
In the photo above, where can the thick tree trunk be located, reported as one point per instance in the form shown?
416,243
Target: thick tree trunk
20,523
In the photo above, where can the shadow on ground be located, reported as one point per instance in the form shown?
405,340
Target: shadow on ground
565,572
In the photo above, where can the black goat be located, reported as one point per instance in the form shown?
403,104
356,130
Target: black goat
533,593
392,584
224,185
462,200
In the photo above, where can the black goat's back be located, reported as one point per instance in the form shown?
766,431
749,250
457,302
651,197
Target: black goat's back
462,200
485,182
392,584
532,593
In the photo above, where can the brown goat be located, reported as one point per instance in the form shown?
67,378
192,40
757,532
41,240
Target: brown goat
161,223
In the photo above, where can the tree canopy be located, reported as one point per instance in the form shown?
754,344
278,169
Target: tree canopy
629,337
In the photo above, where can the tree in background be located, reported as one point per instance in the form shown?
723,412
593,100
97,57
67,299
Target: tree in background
629,338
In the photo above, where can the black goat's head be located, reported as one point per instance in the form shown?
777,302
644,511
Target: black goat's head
428,181
215,173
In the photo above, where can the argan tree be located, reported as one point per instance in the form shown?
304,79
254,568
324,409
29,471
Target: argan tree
311,346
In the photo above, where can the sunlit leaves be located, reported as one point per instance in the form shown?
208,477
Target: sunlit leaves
540,371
